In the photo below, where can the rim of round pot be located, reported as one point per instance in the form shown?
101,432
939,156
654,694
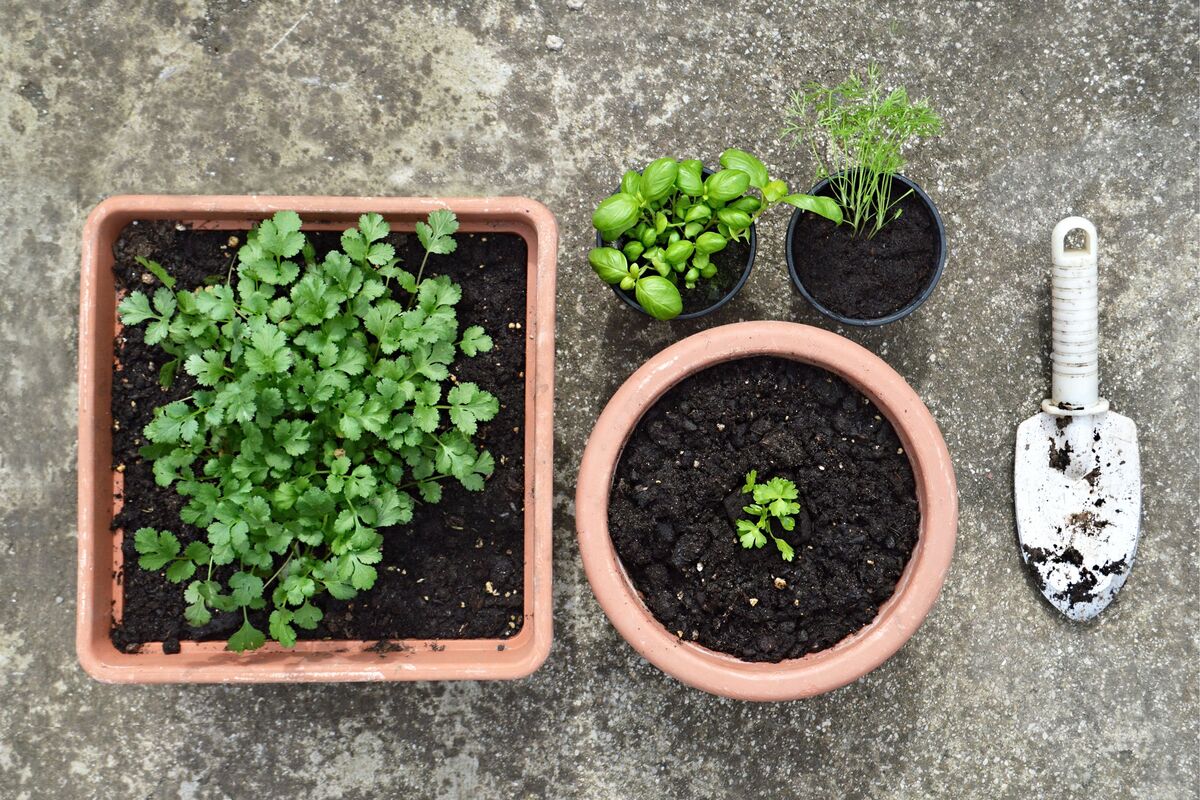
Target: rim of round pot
897,619
737,287
916,303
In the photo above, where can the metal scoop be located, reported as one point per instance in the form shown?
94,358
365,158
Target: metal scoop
1077,474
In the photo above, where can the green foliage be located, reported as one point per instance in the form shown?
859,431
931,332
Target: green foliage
670,220
323,403
858,132
774,500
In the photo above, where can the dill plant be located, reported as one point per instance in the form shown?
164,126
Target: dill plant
857,131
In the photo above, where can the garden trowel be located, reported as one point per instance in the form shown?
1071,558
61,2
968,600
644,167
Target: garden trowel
1077,477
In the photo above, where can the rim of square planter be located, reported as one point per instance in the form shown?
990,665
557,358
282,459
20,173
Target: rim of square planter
99,547
919,584
895,316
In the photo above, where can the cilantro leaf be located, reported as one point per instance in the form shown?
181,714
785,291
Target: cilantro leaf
436,233
470,405
373,227
208,367
135,309
156,548
475,341
280,627
246,638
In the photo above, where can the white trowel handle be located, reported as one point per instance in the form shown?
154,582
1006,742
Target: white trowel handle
1075,381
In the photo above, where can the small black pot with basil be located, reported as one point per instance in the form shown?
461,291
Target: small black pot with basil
871,276
677,241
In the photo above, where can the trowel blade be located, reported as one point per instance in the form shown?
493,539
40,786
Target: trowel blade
1079,506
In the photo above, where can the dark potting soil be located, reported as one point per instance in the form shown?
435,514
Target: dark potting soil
677,495
868,277
731,263
455,572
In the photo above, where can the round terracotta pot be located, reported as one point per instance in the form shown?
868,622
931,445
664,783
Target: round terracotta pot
898,618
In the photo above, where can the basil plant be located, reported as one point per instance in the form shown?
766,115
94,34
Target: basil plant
666,222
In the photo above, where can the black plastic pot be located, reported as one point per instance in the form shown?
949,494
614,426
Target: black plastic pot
632,302
822,188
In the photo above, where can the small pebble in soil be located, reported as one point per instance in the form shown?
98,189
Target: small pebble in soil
780,583
554,42
575,5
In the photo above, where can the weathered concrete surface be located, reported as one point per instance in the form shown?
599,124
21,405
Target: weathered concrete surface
1068,108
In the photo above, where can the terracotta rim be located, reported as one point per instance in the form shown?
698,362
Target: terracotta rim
99,485
898,618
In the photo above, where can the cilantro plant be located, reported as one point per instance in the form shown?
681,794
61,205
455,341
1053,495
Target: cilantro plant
325,407
858,132
775,501
669,220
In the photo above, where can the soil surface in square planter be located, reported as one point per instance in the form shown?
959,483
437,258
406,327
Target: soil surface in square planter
677,495
730,263
456,571
868,277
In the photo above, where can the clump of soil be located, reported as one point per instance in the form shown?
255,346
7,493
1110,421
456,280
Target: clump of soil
455,572
864,276
676,498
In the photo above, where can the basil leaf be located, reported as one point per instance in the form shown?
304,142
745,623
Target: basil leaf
630,181
726,185
736,220
659,297
679,252
710,243
741,160
616,214
658,178
825,207
609,263
690,179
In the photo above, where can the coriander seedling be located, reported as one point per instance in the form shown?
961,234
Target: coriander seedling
774,500
323,406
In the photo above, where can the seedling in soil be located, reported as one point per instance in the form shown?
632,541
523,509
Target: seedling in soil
669,221
775,501
323,405
857,132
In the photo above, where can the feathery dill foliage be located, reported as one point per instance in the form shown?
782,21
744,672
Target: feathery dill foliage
857,132
774,501
325,405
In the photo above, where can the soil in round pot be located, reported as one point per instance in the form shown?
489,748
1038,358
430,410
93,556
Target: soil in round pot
677,495
454,572
733,267
869,277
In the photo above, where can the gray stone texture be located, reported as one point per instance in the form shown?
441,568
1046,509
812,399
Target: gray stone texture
1051,109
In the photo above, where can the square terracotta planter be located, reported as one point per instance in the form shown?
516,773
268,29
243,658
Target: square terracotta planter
99,547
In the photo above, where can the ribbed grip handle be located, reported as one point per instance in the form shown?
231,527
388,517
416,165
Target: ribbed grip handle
1075,381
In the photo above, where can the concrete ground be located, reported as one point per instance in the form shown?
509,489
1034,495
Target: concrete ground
1050,109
